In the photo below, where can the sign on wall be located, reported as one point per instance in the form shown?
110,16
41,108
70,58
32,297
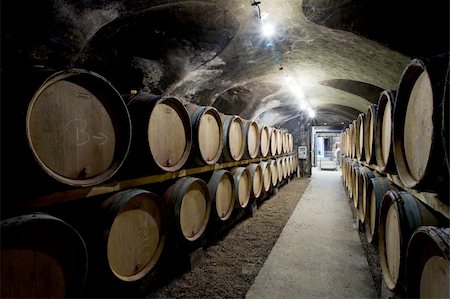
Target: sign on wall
302,152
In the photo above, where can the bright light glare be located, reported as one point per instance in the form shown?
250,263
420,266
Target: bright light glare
268,30
311,113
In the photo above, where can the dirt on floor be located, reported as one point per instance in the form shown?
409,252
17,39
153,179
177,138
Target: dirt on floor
232,261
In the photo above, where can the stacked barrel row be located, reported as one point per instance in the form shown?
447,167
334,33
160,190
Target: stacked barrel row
81,133
405,134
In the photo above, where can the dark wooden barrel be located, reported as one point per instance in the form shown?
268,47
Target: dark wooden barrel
376,189
207,134
221,190
400,215
256,179
135,233
162,134
41,257
418,151
445,133
273,141
354,183
78,128
383,132
427,263
267,176
369,134
188,206
252,139
360,154
234,137
273,171
264,141
242,185
362,174
364,197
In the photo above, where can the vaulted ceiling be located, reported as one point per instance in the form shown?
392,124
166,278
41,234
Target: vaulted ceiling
332,56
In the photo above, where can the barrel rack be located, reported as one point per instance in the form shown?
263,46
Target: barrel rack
110,187
430,199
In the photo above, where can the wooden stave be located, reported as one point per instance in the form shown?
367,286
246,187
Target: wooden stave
142,161
435,173
425,241
212,186
98,85
120,202
74,248
411,215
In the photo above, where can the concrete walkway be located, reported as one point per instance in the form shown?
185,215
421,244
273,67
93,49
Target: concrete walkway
318,254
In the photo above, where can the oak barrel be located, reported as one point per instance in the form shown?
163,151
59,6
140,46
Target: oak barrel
427,263
384,152
274,171
280,169
364,198
265,141
273,142
360,155
252,139
41,257
78,128
135,233
354,138
418,149
267,176
376,189
162,134
256,179
221,190
234,137
188,206
242,185
369,134
400,215
207,134
279,139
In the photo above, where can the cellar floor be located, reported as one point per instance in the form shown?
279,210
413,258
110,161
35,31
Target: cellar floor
319,252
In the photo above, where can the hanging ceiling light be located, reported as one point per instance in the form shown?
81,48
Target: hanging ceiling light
267,29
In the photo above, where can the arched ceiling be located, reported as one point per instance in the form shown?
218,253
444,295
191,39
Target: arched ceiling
335,56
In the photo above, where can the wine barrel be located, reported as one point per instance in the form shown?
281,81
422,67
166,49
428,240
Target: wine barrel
369,134
445,133
360,155
279,141
242,185
284,141
221,191
134,231
162,134
418,151
253,139
383,132
267,176
427,263
290,143
361,172
41,257
354,138
265,141
350,140
188,206
256,179
274,171
376,189
207,134
280,169
273,142
364,200
78,128
234,137
400,215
